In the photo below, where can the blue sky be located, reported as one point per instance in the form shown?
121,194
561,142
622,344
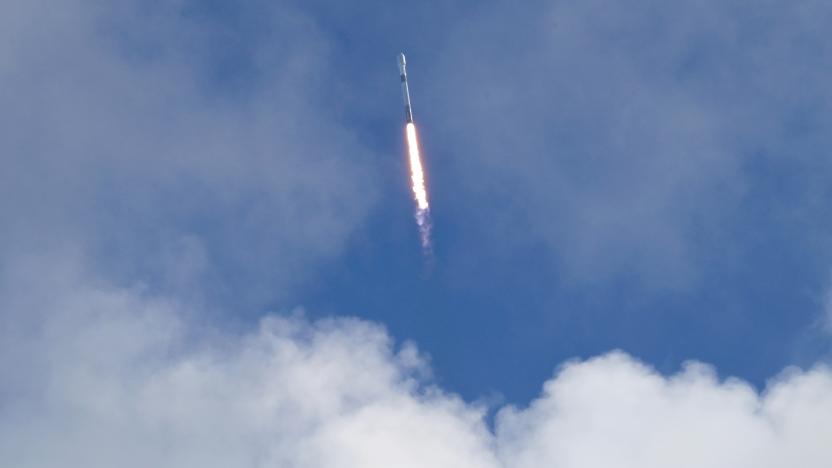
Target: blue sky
214,195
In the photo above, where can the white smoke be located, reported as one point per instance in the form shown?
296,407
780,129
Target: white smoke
425,227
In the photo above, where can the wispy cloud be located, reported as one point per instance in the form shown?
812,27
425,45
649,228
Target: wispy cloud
620,136
129,132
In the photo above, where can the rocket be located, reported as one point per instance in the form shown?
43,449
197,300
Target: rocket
408,112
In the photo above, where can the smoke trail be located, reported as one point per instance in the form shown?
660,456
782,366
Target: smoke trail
420,194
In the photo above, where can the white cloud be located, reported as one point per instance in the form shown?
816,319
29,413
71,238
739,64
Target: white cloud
614,411
128,131
96,376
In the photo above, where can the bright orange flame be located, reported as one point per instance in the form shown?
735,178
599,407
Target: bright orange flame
417,174
420,193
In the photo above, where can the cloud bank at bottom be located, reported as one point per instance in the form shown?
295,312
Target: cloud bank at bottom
96,376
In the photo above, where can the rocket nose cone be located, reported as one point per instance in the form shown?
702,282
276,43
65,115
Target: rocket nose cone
402,64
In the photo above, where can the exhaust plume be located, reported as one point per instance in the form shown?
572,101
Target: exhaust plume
420,194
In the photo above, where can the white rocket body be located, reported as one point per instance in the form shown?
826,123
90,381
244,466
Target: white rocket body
408,112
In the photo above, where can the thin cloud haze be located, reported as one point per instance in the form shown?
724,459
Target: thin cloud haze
623,136
120,142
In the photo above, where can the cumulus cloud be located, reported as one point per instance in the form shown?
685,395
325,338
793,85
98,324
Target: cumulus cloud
621,136
95,376
100,377
614,410
169,145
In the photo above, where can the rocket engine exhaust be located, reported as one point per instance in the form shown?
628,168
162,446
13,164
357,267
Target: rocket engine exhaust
417,173
420,193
